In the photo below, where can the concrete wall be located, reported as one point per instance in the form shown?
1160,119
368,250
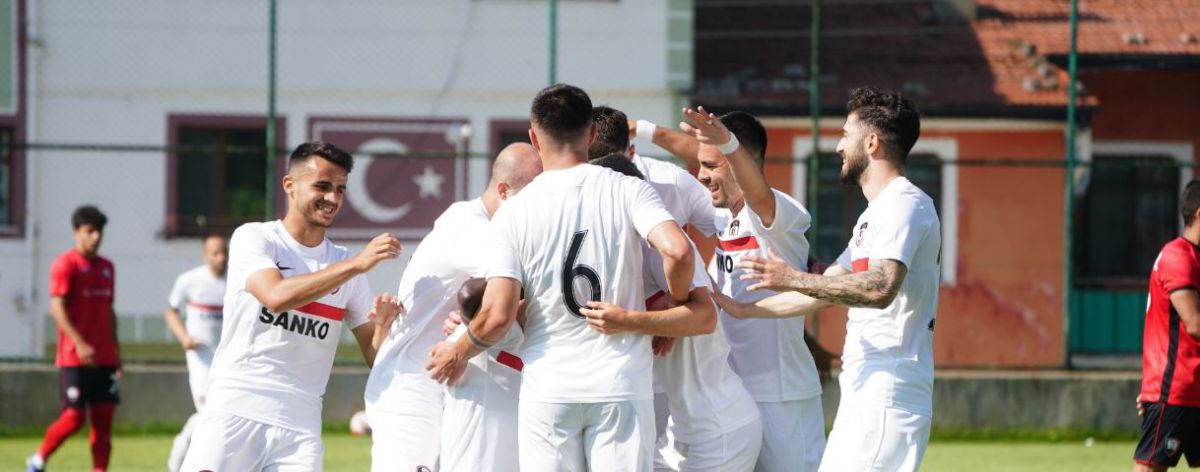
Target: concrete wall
976,401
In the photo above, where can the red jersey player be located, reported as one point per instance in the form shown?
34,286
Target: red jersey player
1170,394
81,299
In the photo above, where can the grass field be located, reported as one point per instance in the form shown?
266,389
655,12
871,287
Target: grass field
346,453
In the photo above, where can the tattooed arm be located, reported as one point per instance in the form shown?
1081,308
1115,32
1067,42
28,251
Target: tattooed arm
874,288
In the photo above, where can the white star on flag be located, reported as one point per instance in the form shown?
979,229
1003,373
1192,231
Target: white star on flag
430,183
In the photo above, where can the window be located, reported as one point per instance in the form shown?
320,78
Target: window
218,174
505,132
1130,209
839,205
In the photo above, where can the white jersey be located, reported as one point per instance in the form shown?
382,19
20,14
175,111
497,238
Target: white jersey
769,354
479,419
273,367
706,398
428,290
685,198
888,358
199,295
571,236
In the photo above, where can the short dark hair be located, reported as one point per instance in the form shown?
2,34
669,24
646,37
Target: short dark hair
888,114
612,132
88,215
620,163
563,111
750,132
325,150
1190,202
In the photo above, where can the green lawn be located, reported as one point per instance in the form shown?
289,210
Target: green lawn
347,453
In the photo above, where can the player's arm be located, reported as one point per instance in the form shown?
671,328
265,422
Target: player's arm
875,287
681,145
116,340
678,260
708,129
175,324
1186,302
371,335
58,312
278,293
497,312
781,305
695,317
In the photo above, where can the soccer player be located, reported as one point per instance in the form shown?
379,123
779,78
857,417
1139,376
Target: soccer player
404,406
770,356
199,292
88,359
289,292
888,276
1170,396
573,236
715,422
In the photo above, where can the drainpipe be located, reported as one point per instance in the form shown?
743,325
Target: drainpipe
1069,193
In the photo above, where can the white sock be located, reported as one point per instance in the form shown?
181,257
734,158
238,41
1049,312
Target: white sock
36,460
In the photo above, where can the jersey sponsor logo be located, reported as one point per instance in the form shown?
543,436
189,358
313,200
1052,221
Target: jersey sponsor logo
724,263
862,230
295,323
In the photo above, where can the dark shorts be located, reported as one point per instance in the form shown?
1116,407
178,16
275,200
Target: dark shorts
1169,432
79,386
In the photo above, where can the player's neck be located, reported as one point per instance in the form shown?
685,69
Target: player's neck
875,178
1192,234
737,206
491,201
562,156
84,253
304,233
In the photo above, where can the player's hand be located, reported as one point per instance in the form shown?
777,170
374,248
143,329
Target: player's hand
189,344
1141,409
735,308
772,273
385,310
384,246
453,320
705,127
119,373
85,353
606,318
662,345
446,364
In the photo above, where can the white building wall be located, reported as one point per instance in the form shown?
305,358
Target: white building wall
112,72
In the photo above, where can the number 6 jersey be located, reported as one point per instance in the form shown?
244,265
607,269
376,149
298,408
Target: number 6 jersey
569,237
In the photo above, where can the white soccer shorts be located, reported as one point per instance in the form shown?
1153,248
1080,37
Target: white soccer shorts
793,436
224,442
198,362
577,437
735,450
870,438
408,441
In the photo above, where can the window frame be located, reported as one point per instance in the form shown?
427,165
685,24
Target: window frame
945,148
177,121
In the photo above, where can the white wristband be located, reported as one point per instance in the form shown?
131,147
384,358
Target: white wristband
645,130
731,146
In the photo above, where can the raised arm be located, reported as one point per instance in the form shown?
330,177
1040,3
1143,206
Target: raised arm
708,129
681,145
278,293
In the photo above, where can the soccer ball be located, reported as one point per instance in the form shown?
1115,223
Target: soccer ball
359,425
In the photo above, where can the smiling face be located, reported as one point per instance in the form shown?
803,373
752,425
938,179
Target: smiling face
316,189
853,149
716,174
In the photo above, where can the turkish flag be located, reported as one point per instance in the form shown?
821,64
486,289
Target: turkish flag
406,172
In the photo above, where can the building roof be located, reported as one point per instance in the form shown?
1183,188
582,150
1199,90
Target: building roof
1010,60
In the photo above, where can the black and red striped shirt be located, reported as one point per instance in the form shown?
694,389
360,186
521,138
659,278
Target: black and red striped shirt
1171,358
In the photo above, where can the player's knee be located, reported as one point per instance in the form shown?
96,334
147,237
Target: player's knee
72,417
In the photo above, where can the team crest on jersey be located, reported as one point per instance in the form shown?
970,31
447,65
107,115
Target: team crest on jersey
862,230
422,468
106,273
733,227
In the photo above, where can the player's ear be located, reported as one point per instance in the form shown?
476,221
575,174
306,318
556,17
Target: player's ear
503,189
289,185
591,135
534,140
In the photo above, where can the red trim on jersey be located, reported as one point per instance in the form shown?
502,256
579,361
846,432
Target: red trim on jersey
654,298
510,360
861,265
739,244
324,311
202,306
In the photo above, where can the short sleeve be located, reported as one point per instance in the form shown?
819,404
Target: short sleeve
249,252
178,295
786,234
503,258
358,305
1177,269
644,205
898,234
60,277
845,261
701,212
